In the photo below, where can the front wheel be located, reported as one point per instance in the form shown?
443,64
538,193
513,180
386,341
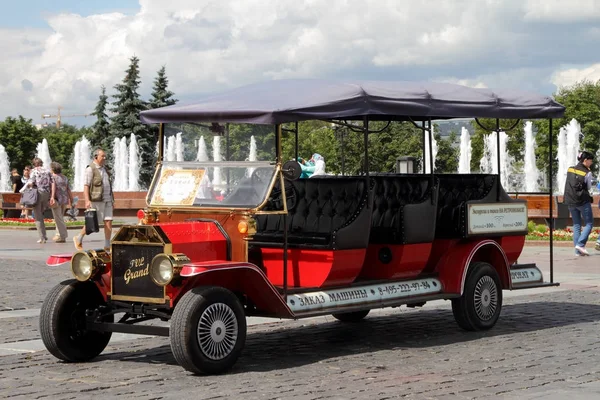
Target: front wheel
63,321
480,305
208,330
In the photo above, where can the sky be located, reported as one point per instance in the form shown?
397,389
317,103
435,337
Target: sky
60,52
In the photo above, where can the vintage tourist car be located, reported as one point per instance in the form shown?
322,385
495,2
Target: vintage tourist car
230,230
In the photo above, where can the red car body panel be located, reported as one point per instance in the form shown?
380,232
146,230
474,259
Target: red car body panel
313,268
406,261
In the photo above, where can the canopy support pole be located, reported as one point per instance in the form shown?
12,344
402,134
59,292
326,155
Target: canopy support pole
423,130
430,133
366,138
296,143
278,140
431,176
498,183
161,135
550,194
343,155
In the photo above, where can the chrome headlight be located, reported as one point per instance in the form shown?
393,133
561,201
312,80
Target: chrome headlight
85,264
165,267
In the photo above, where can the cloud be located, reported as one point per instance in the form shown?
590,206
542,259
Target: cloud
209,46
562,11
569,76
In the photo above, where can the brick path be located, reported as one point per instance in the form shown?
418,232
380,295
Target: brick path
545,345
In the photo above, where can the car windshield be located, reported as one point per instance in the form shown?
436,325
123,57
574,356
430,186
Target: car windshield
215,165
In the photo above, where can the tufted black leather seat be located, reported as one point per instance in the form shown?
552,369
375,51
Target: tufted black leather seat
455,191
404,209
322,213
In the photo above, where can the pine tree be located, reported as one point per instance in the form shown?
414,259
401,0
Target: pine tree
127,107
161,96
100,129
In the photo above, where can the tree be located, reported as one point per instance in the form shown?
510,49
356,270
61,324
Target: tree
100,130
161,96
447,155
582,102
61,144
127,107
20,138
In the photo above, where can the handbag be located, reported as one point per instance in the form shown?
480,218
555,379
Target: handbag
91,221
29,197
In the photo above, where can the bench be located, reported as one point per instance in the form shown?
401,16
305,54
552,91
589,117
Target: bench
456,190
404,209
10,203
323,213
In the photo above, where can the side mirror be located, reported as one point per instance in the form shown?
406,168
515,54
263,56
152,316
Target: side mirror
291,170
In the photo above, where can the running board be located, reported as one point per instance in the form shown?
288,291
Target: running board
128,328
536,285
527,276
363,297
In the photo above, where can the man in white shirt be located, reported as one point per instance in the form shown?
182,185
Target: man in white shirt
98,194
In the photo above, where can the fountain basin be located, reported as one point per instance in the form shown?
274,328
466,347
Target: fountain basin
538,206
126,203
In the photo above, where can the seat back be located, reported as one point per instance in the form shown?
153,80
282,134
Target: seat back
328,212
455,191
404,209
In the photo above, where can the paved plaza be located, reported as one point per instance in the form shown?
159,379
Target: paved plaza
546,345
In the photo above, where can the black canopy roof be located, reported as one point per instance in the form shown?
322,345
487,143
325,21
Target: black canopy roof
281,101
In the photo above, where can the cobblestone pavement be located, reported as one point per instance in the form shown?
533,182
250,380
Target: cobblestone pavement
546,345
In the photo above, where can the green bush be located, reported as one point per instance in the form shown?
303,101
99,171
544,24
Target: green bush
541,228
530,226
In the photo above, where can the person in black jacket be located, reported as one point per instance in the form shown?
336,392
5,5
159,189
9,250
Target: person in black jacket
577,197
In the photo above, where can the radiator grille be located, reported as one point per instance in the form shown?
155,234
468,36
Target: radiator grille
130,267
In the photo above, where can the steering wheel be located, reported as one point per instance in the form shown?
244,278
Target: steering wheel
276,198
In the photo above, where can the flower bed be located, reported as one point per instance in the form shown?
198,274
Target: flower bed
558,234
31,222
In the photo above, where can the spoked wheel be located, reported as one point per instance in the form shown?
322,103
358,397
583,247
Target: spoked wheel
208,330
63,321
480,305
354,316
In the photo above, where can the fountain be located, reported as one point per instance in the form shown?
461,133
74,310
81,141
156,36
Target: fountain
170,149
464,161
252,155
202,154
217,157
532,175
134,165
81,159
434,150
174,148
43,153
120,166
489,163
5,185
568,149
179,147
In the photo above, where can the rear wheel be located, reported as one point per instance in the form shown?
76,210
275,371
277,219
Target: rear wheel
480,305
208,330
63,321
354,316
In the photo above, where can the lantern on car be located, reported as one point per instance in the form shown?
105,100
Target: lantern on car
86,264
165,267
